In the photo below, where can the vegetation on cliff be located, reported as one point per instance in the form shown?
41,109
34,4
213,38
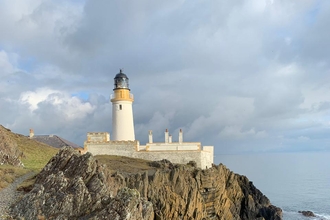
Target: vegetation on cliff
73,186
19,155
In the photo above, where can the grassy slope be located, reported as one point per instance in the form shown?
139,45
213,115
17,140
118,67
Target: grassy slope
36,156
124,164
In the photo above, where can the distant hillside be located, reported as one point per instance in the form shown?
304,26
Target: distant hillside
16,151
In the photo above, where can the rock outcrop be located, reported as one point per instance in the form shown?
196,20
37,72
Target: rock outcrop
184,192
73,186
307,213
9,152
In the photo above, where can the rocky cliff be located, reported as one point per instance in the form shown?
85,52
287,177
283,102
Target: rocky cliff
9,152
73,186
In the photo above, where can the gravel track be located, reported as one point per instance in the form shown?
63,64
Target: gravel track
9,195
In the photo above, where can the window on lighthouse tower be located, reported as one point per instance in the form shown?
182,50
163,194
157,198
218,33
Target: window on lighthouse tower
120,107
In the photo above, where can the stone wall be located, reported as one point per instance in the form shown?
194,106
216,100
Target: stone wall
175,146
121,148
98,137
203,158
181,157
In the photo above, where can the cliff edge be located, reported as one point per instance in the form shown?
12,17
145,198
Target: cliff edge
9,152
73,186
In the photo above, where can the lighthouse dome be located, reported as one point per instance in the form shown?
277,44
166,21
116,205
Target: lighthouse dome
121,81
121,75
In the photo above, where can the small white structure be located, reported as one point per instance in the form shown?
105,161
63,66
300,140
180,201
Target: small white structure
168,145
31,133
122,113
98,137
124,143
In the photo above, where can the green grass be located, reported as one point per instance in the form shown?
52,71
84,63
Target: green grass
124,164
36,156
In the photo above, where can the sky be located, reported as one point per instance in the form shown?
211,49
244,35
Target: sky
242,76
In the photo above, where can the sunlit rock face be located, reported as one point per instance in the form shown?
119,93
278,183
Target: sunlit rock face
184,192
9,152
73,186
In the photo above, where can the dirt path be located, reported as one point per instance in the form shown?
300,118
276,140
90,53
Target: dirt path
9,194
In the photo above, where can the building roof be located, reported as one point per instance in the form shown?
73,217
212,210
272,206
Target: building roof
54,141
121,75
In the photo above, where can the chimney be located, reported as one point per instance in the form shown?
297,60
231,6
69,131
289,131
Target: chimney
150,136
180,136
31,133
166,136
170,139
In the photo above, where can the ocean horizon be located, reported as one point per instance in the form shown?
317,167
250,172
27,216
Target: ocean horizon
294,182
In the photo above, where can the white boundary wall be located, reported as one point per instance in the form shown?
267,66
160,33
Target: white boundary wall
175,146
203,158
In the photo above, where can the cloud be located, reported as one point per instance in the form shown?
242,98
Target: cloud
236,132
71,107
7,63
303,138
243,76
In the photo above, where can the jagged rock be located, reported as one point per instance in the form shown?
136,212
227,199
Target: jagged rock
126,205
254,202
73,186
164,164
192,163
9,152
307,213
10,159
184,192
77,187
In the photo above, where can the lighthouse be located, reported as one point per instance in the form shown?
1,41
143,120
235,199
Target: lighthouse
122,111
123,142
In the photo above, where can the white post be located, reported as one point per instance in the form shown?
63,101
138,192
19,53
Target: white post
137,145
170,139
150,136
31,133
166,136
180,136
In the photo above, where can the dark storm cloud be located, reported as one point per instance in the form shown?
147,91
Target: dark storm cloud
243,76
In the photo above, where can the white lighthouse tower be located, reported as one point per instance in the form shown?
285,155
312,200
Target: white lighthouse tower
122,112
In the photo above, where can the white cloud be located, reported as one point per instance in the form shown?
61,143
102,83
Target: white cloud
69,107
239,74
288,70
315,96
7,63
237,132
34,98
303,138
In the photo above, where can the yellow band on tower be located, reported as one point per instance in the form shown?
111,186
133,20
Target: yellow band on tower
122,95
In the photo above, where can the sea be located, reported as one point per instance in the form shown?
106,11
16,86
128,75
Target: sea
292,181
